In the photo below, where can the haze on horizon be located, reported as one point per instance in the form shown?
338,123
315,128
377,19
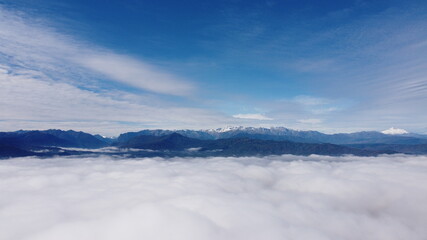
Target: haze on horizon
118,66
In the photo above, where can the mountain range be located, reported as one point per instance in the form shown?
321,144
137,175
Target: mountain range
281,133
232,141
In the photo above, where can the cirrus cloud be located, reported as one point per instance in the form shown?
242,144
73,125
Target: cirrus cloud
30,43
253,116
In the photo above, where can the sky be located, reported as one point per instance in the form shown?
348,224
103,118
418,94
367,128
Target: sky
277,197
114,66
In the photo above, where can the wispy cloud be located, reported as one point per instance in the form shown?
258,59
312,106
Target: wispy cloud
31,44
382,68
135,73
345,67
310,121
311,101
50,80
370,58
27,102
253,116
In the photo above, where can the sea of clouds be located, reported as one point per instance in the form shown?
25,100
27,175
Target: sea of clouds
281,197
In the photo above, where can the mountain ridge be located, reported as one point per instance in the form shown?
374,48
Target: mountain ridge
282,133
237,141
241,146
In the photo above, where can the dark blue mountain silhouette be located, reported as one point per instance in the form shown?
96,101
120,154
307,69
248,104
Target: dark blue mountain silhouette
240,146
234,142
280,133
57,138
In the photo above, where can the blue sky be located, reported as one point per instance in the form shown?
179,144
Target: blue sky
113,66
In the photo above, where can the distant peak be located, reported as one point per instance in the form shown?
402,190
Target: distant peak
395,131
242,128
229,128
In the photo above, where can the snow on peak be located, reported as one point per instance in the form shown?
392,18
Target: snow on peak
394,131
229,128
248,129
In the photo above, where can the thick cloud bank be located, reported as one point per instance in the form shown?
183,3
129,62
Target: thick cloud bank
284,197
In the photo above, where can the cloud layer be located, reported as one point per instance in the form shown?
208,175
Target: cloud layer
282,197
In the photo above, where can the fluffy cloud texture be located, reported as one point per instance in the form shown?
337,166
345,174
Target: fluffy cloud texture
282,197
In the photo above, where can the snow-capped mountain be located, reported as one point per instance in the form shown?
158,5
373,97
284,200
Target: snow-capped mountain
236,141
395,131
282,133
226,129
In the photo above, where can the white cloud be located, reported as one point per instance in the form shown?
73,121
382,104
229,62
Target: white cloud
136,73
281,197
310,121
31,43
51,80
393,131
253,116
387,83
30,103
311,101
